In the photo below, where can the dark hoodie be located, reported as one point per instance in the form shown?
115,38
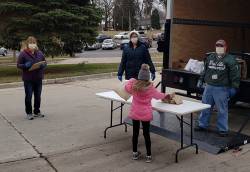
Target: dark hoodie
133,58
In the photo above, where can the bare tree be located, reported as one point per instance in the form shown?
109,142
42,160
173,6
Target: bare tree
107,7
140,9
164,3
148,5
125,14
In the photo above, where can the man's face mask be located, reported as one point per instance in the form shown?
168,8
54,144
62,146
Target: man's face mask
134,40
220,50
32,46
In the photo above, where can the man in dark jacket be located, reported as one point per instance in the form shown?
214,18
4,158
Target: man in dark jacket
222,78
133,56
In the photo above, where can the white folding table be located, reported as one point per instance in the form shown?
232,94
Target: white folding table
187,108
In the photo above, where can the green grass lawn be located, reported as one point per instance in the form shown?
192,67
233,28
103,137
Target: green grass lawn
12,74
9,60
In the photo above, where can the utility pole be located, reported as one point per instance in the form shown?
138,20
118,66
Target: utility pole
122,19
129,19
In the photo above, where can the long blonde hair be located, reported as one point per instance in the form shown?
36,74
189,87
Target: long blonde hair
141,85
23,45
30,39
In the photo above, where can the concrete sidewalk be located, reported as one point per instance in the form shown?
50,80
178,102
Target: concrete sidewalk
70,138
80,60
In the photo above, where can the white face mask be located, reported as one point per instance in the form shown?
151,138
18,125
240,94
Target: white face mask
134,40
32,46
220,50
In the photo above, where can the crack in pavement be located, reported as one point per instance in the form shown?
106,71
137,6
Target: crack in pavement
46,157
27,141
94,146
18,160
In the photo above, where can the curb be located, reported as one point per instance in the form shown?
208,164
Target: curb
62,80
66,79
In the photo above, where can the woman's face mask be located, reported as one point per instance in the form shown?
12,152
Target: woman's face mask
134,40
220,50
32,46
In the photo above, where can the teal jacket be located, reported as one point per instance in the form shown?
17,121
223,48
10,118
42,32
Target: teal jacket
223,71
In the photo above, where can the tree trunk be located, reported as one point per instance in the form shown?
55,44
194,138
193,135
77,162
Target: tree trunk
106,22
14,56
72,54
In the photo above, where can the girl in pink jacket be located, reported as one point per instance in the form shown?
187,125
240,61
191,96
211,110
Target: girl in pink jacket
143,92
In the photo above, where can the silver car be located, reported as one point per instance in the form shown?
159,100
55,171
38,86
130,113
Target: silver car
3,51
108,44
94,46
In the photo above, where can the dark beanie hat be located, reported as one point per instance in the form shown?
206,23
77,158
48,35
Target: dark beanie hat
144,73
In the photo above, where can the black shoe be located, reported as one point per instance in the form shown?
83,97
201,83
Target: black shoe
198,128
223,133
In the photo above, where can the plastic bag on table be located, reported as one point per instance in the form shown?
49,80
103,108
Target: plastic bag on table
194,66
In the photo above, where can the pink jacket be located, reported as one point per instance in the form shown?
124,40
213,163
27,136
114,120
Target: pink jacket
141,108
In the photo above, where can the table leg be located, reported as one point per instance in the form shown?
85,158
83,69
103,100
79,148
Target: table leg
182,138
122,123
111,118
191,131
162,120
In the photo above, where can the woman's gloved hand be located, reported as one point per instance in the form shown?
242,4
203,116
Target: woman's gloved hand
152,76
120,78
42,66
28,64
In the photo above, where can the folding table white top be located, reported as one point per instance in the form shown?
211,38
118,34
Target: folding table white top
186,108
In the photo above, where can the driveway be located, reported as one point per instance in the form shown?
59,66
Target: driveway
70,137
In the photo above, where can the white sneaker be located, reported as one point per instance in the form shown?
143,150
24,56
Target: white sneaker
30,116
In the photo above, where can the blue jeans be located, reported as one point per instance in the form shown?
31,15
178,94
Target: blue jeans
218,96
31,87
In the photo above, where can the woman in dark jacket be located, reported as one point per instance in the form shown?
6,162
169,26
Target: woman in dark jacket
32,79
133,57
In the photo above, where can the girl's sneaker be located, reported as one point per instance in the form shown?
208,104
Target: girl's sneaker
148,159
136,155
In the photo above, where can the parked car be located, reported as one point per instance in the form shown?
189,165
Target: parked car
94,46
100,38
147,41
121,35
108,44
124,43
3,51
141,32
